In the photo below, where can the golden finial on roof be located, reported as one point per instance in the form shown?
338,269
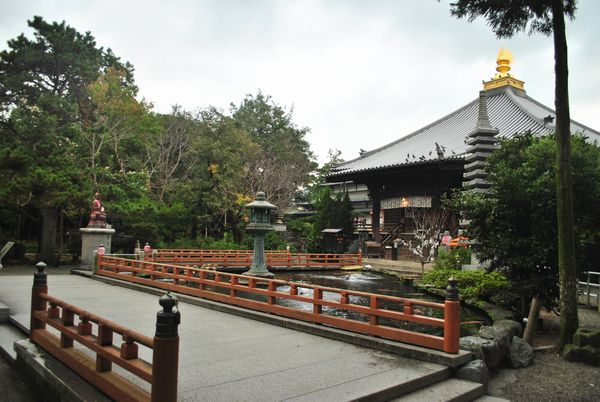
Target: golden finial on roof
503,63
503,77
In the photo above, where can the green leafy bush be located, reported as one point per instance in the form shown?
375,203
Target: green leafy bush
208,243
145,232
180,243
453,259
515,222
480,285
273,241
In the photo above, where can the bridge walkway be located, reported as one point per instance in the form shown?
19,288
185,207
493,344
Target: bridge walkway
224,357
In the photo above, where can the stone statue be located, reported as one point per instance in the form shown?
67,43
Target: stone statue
97,216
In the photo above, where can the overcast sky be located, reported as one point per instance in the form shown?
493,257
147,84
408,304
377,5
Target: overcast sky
359,74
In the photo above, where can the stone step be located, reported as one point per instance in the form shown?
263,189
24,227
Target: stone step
8,335
52,379
449,390
379,387
4,312
489,398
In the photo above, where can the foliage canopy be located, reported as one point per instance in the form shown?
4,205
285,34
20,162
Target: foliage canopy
71,123
515,223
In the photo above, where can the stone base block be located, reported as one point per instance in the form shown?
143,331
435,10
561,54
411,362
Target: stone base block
91,238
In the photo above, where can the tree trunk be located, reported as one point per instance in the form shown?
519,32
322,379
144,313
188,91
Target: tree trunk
48,237
534,313
564,185
194,230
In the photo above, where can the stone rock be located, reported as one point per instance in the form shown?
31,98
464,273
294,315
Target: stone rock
515,328
473,344
520,353
483,349
587,337
587,354
500,335
495,312
475,371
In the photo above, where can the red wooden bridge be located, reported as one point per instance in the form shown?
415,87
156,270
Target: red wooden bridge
243,258
383,316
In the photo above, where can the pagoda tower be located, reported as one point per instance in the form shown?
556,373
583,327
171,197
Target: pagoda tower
482,141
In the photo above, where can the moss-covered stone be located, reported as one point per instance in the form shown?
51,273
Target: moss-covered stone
586,354
587,337
514,327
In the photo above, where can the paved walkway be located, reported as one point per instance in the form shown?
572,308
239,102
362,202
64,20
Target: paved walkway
224,357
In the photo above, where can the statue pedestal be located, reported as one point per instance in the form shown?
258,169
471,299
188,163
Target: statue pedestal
91,238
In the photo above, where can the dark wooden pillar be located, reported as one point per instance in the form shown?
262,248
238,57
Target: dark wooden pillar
375,193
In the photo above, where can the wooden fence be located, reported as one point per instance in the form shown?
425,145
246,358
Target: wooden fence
161,374
243,258
380,315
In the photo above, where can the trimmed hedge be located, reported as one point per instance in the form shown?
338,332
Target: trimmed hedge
480,285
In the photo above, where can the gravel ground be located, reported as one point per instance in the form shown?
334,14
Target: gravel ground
551,378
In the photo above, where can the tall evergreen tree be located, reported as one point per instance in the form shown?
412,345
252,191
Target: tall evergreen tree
507,18
44,107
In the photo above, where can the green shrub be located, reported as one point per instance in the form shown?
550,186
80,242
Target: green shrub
480,285
145,232
273,241
183,243
208,243
452,259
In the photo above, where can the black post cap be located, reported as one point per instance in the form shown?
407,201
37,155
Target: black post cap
39,277
451,289
167,320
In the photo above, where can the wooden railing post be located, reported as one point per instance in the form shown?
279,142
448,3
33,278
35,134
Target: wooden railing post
68,321
317,296
165,358
98,259
451,318
374,305
271,288
360,256
40,285
105,338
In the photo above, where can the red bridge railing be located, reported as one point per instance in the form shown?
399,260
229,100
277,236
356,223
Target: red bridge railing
161,374
243,258
383,316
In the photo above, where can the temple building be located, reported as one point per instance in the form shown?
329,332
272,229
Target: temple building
416,170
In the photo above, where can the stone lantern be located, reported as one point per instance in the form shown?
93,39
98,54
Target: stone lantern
259,226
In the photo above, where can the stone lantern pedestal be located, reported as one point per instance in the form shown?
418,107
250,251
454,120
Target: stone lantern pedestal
259,226
91,239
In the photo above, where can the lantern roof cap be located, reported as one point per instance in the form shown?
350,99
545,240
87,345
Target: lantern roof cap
260,201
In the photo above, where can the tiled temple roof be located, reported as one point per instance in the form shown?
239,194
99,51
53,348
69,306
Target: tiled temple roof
510,110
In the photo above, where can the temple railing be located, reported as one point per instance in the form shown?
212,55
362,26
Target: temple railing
243,258
95,335
367,313
589,289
